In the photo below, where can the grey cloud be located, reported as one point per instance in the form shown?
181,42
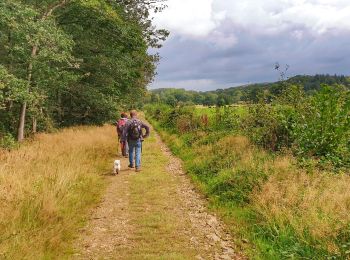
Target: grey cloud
252,58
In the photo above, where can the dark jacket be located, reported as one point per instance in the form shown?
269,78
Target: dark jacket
127,128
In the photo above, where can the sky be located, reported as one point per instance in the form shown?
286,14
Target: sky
225,43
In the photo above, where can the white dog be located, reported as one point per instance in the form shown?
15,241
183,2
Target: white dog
116,167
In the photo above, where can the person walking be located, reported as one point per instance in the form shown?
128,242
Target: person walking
120,129
134,135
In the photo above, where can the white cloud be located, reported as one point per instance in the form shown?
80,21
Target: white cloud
199,18
187,17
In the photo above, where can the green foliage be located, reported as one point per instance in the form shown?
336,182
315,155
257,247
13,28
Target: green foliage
186,119
312,127
269,126
247,94
12,89
323,127
317,126
72,62
7,141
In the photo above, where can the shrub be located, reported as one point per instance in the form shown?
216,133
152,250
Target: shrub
269,126
7,141
227,119
315,127
323,129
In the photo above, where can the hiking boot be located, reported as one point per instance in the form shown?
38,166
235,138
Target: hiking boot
131,166
138,169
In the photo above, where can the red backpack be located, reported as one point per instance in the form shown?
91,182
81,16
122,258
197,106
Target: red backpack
120,126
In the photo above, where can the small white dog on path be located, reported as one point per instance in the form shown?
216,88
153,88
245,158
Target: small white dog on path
116,167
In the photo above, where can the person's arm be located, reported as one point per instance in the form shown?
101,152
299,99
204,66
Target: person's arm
147,130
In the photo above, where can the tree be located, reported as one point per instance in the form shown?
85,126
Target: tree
140,11
115,66
81,60
36,49
220,102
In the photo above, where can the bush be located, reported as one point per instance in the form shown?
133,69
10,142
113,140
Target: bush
7,141
227,119
323,129
315,127
269,126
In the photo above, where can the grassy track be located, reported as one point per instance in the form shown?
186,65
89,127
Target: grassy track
152,202
47,187
155,214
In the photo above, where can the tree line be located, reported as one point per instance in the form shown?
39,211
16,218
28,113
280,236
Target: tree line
69,62
247,94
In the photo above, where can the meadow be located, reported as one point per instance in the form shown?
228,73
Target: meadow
47,188
285,197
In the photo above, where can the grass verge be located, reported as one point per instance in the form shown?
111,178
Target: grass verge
47,188
281,210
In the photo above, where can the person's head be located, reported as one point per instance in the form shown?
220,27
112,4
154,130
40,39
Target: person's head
133,113
124,115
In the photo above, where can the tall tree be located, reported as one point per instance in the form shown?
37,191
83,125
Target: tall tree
38,50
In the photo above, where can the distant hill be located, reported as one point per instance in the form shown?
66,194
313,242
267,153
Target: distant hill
247,93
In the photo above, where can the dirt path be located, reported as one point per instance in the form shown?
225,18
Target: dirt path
155,214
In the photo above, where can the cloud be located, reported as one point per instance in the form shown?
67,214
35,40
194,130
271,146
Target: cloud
199,18
222,43
187,17
187,62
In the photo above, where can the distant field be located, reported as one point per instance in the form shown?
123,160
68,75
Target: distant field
211,111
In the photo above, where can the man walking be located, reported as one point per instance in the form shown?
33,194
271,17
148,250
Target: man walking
133,134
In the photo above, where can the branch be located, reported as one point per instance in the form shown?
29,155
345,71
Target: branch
53,8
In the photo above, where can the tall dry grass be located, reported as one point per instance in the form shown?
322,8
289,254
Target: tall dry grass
315,205
46,188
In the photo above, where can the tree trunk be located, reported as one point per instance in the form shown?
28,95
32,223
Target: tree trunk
22,117
21,125
35,123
